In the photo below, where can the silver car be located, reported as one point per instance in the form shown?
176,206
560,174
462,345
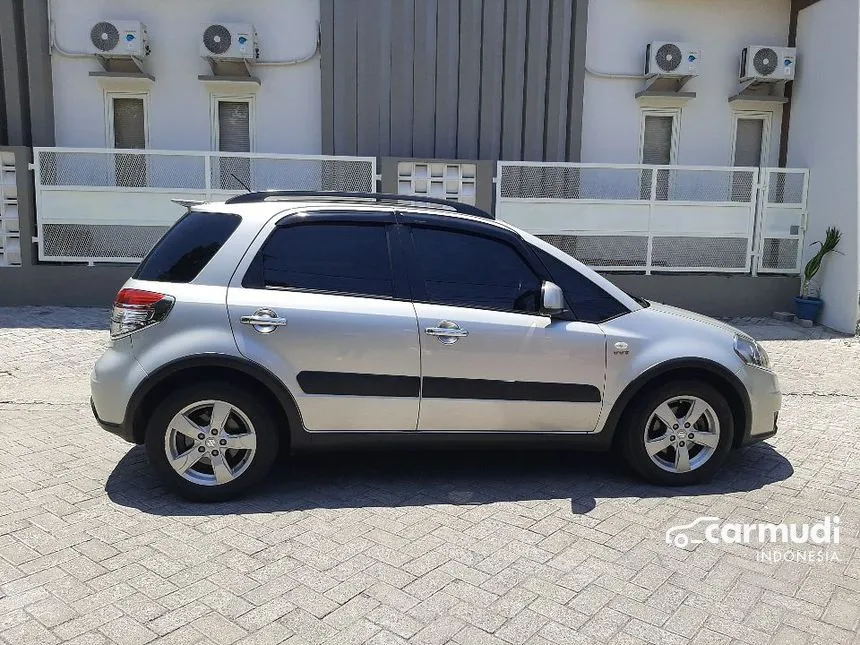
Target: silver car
306,321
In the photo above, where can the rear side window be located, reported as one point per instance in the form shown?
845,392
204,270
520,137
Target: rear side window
181,254
588,301
467,270
334,257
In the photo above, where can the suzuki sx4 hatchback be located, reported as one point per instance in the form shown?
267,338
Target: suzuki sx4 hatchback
306,321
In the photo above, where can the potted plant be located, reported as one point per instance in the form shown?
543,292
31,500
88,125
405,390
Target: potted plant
807,305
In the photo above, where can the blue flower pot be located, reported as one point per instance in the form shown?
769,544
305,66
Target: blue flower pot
807,308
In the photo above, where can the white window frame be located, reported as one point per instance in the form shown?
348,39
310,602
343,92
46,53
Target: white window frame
110,134
767,128
250,99
675,113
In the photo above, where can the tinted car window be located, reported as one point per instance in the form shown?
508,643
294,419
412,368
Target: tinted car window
332,256
474,271
181,254
588,301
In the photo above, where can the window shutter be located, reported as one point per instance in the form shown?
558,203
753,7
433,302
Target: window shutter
234,126
748,142
129,129
657,140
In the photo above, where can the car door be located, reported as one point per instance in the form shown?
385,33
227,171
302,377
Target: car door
321,301
489,360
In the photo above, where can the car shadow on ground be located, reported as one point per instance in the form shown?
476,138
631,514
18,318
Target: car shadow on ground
400,479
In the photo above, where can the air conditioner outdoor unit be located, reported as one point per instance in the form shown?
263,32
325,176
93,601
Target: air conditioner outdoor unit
768,64
119,39
230,41
671,59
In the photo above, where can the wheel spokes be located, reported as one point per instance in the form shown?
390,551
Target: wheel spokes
653,446
666,415
220,413
682,458
697,409
185,426
222,470
708,439
244,441
181,463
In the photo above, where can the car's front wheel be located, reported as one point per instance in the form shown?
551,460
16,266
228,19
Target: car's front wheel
211,441
678,433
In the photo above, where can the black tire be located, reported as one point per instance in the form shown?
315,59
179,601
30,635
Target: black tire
250,404
638,415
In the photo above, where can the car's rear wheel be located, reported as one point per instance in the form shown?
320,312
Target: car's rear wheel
678,433
211,441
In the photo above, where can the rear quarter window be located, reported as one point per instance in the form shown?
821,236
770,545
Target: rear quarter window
187,247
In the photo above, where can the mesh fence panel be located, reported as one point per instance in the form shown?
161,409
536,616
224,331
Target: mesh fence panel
565,182
603,250
694,185
99,241
699,252
59,168
292,174
785,187
779,254
152,170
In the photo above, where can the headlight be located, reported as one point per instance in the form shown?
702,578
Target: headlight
751,352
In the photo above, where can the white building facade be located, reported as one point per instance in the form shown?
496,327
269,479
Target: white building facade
494,95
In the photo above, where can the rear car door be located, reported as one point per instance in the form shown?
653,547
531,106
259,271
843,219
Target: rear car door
321,300
489,360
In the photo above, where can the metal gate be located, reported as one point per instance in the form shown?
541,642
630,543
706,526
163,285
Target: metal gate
782,216
619,217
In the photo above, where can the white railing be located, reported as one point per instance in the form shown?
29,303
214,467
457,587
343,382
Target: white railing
620,217
103,205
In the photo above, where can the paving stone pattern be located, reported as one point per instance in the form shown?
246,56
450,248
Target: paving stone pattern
466,548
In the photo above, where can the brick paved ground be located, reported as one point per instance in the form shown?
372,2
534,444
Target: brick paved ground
471,549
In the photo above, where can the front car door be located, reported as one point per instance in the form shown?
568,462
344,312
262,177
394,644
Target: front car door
489,360
321,301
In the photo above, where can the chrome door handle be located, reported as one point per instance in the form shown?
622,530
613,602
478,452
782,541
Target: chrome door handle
264,321
447,332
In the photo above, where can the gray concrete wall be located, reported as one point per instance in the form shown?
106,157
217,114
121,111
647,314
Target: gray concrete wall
715,295
51,284
483,79
26,89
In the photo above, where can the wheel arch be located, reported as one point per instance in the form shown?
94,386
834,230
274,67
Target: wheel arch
706,370
212,366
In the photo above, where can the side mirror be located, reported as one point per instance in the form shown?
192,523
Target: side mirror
551,299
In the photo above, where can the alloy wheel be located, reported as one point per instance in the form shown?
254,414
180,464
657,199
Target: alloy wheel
682,434
210,443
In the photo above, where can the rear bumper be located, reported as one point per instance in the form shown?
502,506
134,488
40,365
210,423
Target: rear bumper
119,429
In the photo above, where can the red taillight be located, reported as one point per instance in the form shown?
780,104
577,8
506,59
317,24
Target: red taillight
135,309
137,297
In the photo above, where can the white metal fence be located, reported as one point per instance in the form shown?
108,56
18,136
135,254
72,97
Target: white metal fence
617,217
101,205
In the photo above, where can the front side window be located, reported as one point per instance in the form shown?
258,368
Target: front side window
181,254
334,257
467,270
587,300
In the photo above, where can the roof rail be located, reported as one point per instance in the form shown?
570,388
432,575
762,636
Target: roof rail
466,209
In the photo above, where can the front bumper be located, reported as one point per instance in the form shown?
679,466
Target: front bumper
765,402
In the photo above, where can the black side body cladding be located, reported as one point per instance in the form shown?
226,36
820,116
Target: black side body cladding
132,427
